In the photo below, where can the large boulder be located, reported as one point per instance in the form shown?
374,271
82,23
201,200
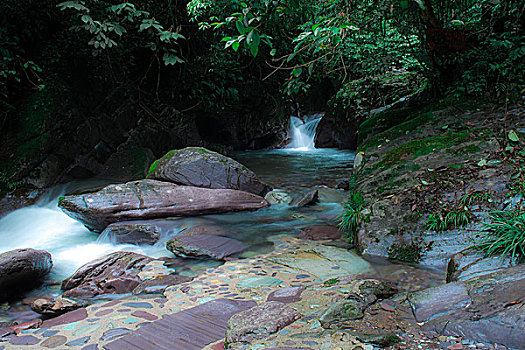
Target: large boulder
22,269
150,199
195,166
114,273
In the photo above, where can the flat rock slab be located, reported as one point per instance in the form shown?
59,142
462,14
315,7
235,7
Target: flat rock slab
191,329
209,246
260,321
70,317
325,263
152,199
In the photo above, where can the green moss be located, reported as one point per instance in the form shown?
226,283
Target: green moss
331,282
386,120
156,163
407,252
397,131
60,199
416,148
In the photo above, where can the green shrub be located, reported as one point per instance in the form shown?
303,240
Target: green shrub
505,235
352,216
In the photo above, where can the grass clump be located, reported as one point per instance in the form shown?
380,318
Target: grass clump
452,219
352,216
505,235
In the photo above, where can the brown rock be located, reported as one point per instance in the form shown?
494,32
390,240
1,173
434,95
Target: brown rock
22,269
215,247
321,232
114,273
151,199
55,307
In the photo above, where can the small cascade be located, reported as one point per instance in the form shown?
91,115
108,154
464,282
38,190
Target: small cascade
302,132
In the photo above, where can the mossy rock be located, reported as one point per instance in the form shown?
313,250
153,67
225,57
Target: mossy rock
200,167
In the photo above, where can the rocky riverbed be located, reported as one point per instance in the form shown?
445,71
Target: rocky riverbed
281,277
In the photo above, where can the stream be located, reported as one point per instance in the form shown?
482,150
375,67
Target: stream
295,170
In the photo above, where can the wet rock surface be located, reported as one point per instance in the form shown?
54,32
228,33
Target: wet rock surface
114,273
486,308
195,166
309,198
56,306
321,232
260,321
207,246
278,197
146,232
22,269
151,199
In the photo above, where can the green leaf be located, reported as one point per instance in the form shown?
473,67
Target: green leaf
240,27
513,136
254,50
235,46
482,162
273,52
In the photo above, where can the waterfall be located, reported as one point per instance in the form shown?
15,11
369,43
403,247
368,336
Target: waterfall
303,132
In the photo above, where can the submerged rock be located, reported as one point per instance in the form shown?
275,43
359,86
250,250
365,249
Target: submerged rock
22,269
321,232
145,232
196,166
114,273
278,197
150,199
260,321
215,247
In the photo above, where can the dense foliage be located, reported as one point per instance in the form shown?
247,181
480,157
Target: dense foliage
84,62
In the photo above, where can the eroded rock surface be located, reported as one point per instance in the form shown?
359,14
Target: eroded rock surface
114,273
195,166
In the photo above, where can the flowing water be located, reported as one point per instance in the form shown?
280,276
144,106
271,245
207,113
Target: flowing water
295,170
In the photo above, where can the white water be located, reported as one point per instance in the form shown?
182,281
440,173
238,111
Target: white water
45,226
303,132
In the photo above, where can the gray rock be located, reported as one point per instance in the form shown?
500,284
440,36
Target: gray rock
260,321
215,247
486,309
310,198
151,199
22,269
196,166
55,307
344,310
114,273
278,197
